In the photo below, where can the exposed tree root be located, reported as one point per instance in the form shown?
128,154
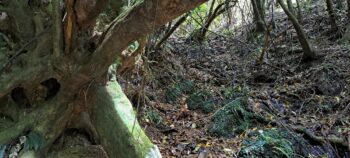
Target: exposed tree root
48,121
116,124
320,139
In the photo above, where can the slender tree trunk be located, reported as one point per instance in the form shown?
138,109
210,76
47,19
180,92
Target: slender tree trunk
348,4
309,53
273,23
332,16
290,6
339,4
346,37
300,17
211,9
259,21
261,8
170,31
200,34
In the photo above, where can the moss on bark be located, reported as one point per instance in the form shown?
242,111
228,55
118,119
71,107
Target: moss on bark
116,124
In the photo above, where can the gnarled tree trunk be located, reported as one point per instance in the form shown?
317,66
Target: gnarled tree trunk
52,78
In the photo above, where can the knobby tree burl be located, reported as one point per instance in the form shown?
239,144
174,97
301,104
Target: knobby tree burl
53,76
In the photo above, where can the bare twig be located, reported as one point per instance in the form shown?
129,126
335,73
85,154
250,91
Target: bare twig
349,141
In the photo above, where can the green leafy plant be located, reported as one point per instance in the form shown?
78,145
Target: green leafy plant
176,91
202,100
232,118
172,94
154,117
235,92
270,142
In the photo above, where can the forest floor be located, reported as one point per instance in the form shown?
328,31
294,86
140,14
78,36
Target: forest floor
190,84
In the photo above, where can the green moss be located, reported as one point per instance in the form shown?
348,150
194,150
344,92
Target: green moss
176,91
117,61
154,117
187,86
5,123
172,94
235,92
133,46
279,143
234,117
115,122
270,143
208,106
4,50
201,100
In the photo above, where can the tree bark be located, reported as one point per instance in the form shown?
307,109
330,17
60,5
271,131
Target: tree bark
200,34
170,31
332,16
145,18
348,4
290,7
309,53
258,18
300,17
261,7
44,92
117,125
339,4
346,36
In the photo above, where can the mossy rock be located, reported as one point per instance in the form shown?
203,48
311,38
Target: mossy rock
176,91
267,143
279,143
234,117
201,100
